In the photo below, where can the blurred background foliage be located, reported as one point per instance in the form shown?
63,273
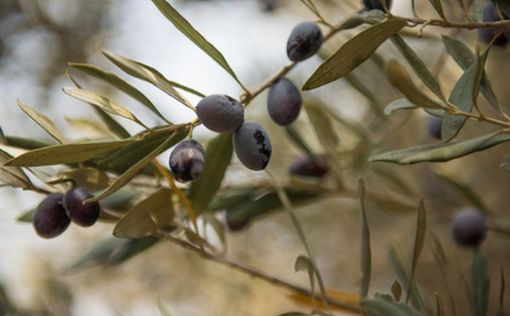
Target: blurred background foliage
39,38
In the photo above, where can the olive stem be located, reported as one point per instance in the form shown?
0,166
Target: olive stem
453,24
251,271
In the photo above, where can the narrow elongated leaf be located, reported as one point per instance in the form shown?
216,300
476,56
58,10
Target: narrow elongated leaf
137,167
464,96
43,121
481,282
12,176
419,242
396,290
112,125
439,305
67,153
400,79
353,53
466,190
366,253
464,57
418,65
323,127
298,140
384,305
23,143
147,216
441,152
219,153
118,83
501,307
151,75
101,102
398,105
438,6
191,33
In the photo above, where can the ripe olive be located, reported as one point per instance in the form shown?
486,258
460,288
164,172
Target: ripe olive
82,214
490,14
220,113
304,41
283,102
50,218
187,160
307,166
252,145
469,227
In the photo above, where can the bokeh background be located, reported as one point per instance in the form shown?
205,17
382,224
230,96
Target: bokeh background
39,37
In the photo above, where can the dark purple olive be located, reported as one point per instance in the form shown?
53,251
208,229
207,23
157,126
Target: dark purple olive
434,126
252,146
490,14
377,4
187,160
304,41
307,166
469,227
220,113
235,222
283,102
50,218
82,214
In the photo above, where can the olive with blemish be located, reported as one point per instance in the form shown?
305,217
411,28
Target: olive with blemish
304,41
252,145
187,160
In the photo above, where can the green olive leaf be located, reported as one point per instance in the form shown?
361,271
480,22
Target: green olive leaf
118,83
218,155
419,242
438,6
147,216
440,152
481,282
399,104
23,143
66,153
13,176
43,121
384,305
366,253
353,53
191,33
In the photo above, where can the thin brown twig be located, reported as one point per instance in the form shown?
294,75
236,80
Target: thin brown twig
453,24
251,271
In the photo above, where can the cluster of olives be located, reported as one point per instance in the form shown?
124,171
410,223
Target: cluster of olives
491,14
469,227
54,214
223,114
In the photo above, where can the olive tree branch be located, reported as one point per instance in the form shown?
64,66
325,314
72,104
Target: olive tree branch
452,24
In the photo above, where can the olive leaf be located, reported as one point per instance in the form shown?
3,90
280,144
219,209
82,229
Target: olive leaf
298,140
191,33
481,282
440,152
384,305
438,6
43,121
147,216
67,153
87,177
103,102
23,143
353,53
152,76
219,153
419,242
12,176
366,253
399,104
118,83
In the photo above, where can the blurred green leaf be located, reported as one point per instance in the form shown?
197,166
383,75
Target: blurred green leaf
202,190
152,76
163,310
366,253
131,248
353,53
23,143
481,282
503,5
138,166
400,79
112,125
190,32
396,261
501,307
12,176
464,96
296,138
439,305
399,104
102,102
87,177
464,57
43,121
360,86
441,152
67,153
368,17
83,124
384,305
418,65
118,83
321,123
396,290
97,255
26,216
216,225
419,242
438,6
147,216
